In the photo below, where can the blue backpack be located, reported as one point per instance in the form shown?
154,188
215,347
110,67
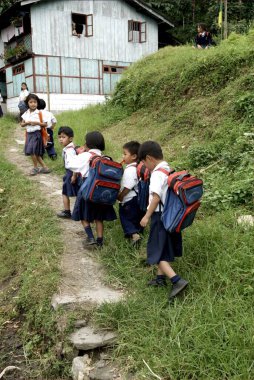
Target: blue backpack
182,200
103,182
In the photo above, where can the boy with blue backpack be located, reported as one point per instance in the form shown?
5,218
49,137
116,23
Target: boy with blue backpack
162,246
129,212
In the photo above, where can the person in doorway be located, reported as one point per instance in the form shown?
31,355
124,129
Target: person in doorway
203,39
22,99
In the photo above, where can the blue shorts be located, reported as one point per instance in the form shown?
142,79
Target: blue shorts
162,245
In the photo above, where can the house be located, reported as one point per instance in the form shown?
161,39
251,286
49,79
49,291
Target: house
72,53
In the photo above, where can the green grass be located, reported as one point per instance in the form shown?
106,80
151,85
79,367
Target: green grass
29,255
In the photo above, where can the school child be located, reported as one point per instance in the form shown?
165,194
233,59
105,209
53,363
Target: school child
162,247
24,92
51,123
129,212
86,211
70,180
34,144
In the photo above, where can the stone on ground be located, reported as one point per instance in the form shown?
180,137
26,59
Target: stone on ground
87,338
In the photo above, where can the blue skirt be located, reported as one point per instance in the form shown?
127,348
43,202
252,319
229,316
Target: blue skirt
34,144
130,217
69,189
161,245
89,211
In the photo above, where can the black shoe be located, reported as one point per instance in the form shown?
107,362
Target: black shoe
53,157
157,282
64,214
178,287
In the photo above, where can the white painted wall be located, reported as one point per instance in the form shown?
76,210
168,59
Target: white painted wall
61,102
52,30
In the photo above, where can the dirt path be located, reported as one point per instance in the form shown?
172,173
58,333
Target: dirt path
82,276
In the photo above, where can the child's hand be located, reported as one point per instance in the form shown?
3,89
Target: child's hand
144,221
73,179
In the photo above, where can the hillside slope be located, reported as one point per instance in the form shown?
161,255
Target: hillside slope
200,106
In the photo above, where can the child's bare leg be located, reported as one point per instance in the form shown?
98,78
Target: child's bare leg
34,159
66,203
41,162
165,268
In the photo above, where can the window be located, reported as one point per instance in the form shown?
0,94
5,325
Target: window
136,31
18,69
113,69
82,25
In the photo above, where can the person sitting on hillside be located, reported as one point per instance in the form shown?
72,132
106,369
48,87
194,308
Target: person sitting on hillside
203,39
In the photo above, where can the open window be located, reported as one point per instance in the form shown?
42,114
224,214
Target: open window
82,25
136,31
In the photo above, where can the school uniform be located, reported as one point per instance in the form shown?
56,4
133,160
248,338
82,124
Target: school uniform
86,210
34,144
161,245
129,212
69,189
50,121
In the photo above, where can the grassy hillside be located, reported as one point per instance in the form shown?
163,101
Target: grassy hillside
199,105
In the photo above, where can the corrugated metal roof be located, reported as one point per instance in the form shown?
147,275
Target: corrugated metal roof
139,5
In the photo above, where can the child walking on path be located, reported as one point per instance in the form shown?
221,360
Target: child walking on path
129,212
86,211
31,120
162,247
70,180
51,123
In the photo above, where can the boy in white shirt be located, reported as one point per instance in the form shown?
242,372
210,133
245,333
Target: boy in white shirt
129,212
162,246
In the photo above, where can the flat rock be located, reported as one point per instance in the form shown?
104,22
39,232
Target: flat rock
86,299
105,373
87,339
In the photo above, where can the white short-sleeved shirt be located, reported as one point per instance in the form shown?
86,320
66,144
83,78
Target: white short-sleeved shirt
130,181
49,117
71,151
80,163
33,116
23,95
159,184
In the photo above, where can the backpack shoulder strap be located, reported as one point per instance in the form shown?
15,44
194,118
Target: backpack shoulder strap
167,172
40,117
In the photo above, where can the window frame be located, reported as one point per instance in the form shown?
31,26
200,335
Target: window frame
110,67
142,33
88,24
19,69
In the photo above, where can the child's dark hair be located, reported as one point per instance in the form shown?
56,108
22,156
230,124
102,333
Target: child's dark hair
32,96
202,26
150,148
25,85
41,105
66,130
132,147
95,140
